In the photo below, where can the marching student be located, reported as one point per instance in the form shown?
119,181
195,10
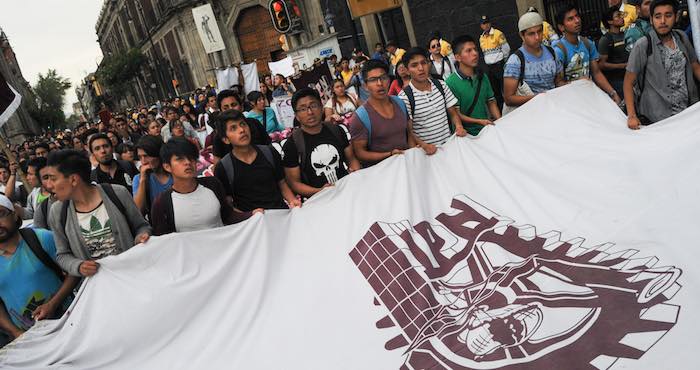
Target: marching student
32,286
663,64
317,154
477,103
432,108
89,221
379,128
252,175
192,203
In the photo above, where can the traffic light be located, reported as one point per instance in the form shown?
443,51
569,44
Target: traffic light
281,18
286,16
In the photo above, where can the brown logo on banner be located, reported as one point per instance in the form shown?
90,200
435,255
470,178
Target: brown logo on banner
473,291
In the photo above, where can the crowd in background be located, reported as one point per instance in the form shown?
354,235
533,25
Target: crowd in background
212,158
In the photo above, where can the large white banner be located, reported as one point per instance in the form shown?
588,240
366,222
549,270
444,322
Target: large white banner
208,28
557,239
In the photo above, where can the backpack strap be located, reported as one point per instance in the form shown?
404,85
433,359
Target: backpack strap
44,205
64,214
337,132
401,105
438,85
411,99
29,236
521,57
299,142
643,81
267,154
109,190
363,116
565,58
476,95
227,164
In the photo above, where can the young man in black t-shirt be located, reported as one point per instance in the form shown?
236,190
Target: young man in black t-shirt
109,170
252,175
318,154
612,49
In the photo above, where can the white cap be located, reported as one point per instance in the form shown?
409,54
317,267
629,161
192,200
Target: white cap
7,203
529,20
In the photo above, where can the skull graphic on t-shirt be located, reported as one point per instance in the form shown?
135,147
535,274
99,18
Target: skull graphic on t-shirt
325,160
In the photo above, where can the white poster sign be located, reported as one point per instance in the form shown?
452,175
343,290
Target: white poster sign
285,67
282,106
208,28
250,77
556,239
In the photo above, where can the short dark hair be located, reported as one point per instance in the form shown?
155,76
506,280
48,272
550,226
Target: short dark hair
178,147
125,147
151,145
71,162
253,96
225,117
392,43
657,3
378,44
41,145
97,137
608,15
38,163
303,93
459,41
412,53
169,109
223,94
373,64
561,14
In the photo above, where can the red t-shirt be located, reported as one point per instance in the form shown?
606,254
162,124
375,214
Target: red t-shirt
394,88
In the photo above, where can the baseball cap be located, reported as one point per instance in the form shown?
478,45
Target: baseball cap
528,20
485,19
7,203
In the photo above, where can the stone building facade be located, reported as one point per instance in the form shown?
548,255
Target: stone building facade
165,32
21,124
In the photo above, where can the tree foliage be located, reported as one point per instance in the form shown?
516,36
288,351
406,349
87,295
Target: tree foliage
50,91
118,71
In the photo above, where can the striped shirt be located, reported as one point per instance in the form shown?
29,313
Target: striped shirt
430,121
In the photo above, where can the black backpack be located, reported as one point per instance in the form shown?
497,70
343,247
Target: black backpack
29,236
109,190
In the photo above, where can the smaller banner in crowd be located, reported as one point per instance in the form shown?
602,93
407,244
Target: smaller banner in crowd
282,105
319,78
250,76
208,29
9,100
225,78
285,67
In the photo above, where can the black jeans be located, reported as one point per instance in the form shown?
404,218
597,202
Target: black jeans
495,74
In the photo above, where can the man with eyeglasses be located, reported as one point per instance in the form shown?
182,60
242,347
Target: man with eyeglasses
379,128
317,154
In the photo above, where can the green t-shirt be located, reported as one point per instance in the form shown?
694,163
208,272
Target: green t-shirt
464,88
41,197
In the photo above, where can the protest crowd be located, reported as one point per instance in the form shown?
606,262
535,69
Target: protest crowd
217,157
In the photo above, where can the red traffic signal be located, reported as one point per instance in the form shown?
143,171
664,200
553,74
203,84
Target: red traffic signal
281,18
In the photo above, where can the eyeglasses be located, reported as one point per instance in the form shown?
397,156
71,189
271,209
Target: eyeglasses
312,106
382,78
434,46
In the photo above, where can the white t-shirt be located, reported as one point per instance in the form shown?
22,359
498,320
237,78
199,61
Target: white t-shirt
198,210
345,108
96,229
